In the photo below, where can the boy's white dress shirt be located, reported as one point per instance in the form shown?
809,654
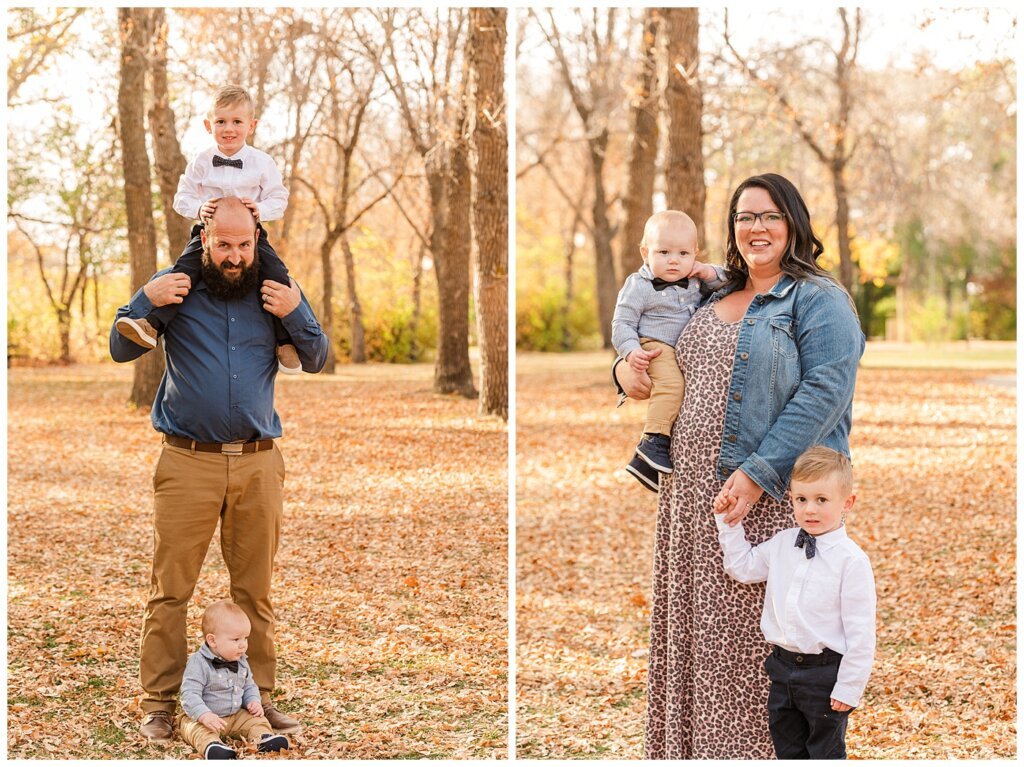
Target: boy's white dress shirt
827,601
258,179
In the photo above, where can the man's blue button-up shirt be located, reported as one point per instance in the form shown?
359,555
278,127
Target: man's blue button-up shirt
221,363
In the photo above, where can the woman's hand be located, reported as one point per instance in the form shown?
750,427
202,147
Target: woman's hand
636,385
737,497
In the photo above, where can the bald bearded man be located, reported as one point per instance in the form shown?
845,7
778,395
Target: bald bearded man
219,461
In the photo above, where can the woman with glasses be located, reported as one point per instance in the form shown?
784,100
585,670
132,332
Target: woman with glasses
771,361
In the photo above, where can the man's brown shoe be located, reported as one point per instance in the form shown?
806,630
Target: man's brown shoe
280,721
156,727
137,331
288,360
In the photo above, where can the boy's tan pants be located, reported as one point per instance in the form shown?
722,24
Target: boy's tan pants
667,390
193,492
241,724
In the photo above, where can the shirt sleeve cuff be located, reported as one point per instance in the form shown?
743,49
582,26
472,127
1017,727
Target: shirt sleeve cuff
299,319
140,306
848,694
764,475
629,346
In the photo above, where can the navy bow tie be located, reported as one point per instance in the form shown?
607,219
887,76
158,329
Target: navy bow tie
812,544
660,284
218,160
228,664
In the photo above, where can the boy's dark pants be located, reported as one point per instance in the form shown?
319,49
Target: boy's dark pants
800,716
190,263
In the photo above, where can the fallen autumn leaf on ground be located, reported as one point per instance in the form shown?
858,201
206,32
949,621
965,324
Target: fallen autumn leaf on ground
390,583
934,459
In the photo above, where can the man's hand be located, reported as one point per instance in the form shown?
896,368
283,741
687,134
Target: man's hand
703,271
206,212
639,360
737,498
838,705
212,722
255,708
170,288
252,205
280,300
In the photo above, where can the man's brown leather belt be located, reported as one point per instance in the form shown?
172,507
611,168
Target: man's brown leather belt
227,448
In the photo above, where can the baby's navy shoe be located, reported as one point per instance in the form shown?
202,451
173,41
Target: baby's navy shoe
644,474
219,751
272,743
653,448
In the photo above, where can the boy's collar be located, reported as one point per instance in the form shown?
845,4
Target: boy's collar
831,538
239,153
645,272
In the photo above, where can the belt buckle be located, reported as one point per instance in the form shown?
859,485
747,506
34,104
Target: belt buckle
232,448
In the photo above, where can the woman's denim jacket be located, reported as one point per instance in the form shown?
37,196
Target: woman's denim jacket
792,380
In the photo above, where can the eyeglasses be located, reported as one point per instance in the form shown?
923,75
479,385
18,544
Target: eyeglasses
770,219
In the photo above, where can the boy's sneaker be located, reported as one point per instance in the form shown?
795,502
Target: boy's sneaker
272,743
288,360
137,331
644,474
653,448
219,751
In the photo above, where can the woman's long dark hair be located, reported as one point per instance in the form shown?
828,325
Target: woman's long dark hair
800,261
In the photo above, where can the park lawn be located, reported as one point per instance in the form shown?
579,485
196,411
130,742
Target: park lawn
934,456
390,583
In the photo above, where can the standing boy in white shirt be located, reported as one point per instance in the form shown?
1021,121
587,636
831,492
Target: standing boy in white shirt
819,609
230,168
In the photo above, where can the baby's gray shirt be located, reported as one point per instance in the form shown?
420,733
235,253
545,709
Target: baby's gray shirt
222,691
643,312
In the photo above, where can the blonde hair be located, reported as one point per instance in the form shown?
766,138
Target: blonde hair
666,217
820,461
215,614
230,95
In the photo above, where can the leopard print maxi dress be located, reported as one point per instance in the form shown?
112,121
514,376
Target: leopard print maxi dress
707,693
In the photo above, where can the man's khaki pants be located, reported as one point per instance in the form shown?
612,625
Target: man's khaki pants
194,491
241,724
667,390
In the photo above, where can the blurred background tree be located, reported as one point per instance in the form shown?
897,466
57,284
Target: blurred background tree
899,129
362,110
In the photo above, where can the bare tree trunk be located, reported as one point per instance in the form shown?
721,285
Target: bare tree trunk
489,160
417,303
684,176
607,286
64,331
355,309
170,162
452,373
327,320
843,225
643,150
135,33
570,252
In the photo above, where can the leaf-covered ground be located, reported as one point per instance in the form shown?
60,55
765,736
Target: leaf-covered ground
390,583
934,455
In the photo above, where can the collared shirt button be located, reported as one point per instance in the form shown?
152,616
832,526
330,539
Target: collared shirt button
743,355
737,396
232,319
731,438
235,376
749,322
232,348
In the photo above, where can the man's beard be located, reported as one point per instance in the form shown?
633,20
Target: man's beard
225,288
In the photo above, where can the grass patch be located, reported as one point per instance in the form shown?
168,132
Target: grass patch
109,734
958,355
